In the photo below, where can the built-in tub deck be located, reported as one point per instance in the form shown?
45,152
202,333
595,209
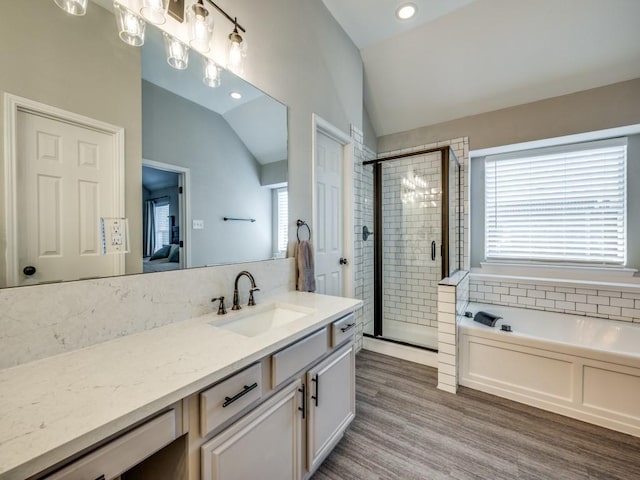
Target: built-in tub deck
582,367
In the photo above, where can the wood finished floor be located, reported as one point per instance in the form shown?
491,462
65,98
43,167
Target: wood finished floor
407,429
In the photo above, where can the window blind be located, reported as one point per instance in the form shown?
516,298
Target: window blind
566,205
282,196
161,213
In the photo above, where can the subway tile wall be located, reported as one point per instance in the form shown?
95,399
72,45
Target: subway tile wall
363,251
572,299
411,212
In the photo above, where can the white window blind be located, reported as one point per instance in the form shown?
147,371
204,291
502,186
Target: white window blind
161,214
282,197
566,205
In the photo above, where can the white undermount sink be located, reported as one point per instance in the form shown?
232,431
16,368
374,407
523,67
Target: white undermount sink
260,319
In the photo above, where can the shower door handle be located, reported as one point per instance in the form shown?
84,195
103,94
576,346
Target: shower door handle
433,250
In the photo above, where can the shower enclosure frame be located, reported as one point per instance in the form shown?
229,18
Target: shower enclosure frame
446,154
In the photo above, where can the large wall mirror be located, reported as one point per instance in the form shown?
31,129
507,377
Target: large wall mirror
96,129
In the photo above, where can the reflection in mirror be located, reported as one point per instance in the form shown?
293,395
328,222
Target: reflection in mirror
162,130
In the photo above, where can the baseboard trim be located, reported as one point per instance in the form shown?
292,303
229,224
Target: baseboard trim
415,355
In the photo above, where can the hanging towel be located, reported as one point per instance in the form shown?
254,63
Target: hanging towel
305,270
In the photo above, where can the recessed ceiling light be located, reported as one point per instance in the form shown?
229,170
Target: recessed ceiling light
406,11
235,95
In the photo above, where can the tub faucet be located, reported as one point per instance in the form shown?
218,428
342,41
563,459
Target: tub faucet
236,299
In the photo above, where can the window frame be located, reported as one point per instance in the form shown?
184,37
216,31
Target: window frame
546,151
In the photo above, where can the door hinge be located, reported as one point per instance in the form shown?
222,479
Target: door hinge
181,243
180,189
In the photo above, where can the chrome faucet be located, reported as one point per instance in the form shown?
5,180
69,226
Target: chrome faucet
236,300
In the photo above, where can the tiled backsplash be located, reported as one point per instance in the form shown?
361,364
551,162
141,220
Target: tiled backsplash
45,320
611,304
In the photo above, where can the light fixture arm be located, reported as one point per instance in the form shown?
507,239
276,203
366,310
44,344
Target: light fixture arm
233,20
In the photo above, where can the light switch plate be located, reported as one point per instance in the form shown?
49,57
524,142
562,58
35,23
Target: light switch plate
198,224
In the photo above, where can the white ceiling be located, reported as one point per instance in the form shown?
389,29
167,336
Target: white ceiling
460,58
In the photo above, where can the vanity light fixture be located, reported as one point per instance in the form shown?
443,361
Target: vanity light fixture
200,26
155,11
235,95
73,7
406,11
130,26
237,50
212,73
177,52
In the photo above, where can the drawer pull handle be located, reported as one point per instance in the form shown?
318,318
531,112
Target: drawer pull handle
348,327
303,408
316,380
247,388
101,477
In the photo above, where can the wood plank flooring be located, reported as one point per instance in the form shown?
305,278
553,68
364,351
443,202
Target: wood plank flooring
407,429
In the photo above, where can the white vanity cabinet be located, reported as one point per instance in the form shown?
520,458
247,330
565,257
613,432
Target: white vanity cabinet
331,403
289,435
266,443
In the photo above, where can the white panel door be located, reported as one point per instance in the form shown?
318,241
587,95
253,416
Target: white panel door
65,183
328,228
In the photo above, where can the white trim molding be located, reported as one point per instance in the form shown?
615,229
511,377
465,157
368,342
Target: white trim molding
14,104
321,125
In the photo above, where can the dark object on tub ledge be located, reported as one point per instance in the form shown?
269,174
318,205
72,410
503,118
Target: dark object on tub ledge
488,319
506,328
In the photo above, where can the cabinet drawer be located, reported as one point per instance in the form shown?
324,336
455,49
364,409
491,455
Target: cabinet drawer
295,357
343,329
264,444
224,400
120,455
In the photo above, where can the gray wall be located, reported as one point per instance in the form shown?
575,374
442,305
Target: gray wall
301,56
225,178
274,173
615,105
633,205
370,137
79,65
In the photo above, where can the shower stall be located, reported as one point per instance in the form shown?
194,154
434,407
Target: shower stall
412,239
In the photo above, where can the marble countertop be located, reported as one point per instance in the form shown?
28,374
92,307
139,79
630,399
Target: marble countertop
58,406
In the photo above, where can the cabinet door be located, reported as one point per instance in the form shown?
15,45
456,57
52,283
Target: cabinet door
332,403
266,443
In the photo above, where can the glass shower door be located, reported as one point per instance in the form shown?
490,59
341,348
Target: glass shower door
411,227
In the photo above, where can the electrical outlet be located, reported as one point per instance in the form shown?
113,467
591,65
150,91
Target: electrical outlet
198,224
115,235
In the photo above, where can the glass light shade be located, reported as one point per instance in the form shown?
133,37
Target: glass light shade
236,53
73,7
130,26
177,52
155,11
200,23
212,73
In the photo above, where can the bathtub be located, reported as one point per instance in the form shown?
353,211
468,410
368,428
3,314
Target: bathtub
585,368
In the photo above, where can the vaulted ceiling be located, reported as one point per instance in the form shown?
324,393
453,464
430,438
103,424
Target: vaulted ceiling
457,58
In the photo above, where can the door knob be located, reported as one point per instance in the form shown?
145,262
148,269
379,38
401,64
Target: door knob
343,261
29,270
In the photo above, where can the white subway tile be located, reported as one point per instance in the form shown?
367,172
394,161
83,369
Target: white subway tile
622,302
578,298
608,310
545,303
555,296
596,300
